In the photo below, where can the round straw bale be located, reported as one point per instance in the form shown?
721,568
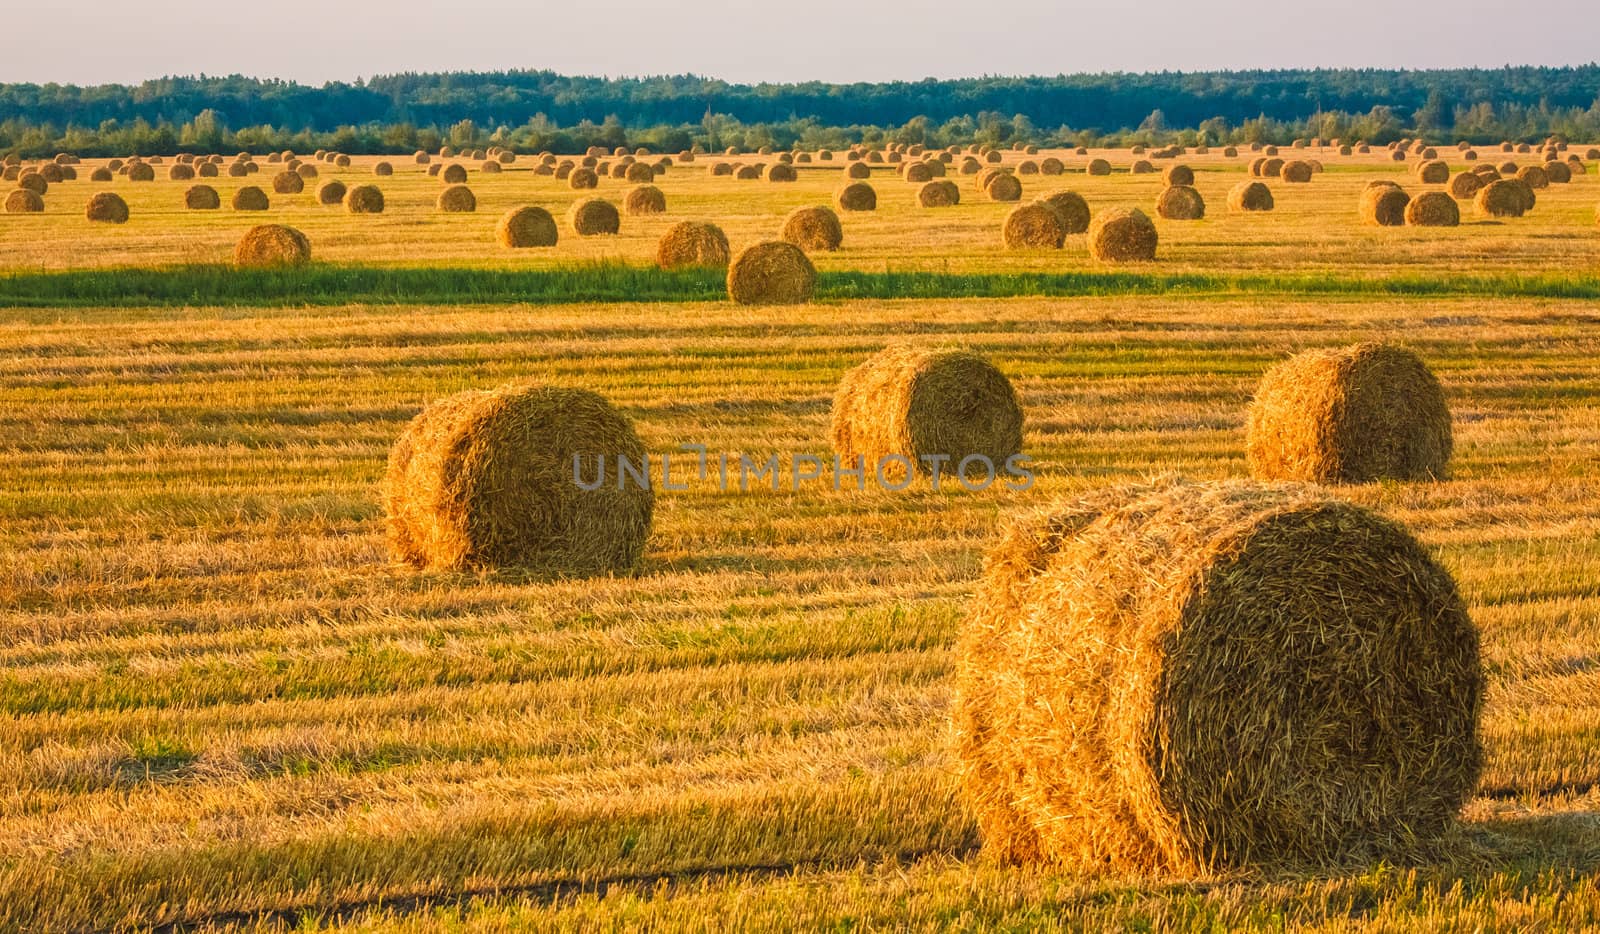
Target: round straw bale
421,158
180,172
719,168
331,192
1027,167
457,199
1466,184
1074,211
34,182
383,169
1297,171
250,198
24,201
1503,197
1033,226
1050,165
1250,196
107,207
272,245
1122,235
364,199
1098,167
202,198
1558,173
204,170
594,216
1433,209
747,172
288,183
908,407
103,174
490,479
857,170
1533,176
1181,203
640,173
1271,167
1349,415
1433,172
645,199
1182,679
782,173
1142,167
1003,187
453,174
1384,205
583,179
526,227
939,193
692,243
141,172
856,196
771,273
813,228
1178,175
490,167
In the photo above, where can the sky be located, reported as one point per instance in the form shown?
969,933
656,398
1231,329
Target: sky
103,41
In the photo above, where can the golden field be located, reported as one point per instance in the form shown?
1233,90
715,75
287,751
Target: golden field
227,709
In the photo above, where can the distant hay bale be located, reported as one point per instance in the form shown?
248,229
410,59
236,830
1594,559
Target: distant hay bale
141,172
250,198
856,196
1250,196
271,245
490,167
1142,167
1433,172
1504,197
421,158
1296,171
1486,171
1230,152
858,170
692,244
306,170
905,408
490,479
1098,167
1433,209
1181,203
771,273
782,173
1533,176
747,172
939,193
364,199
813,228
24,201
457,199
383,169
1072,208
645,199
1177,679
1271,167
180,172
526,227
453,174
1384,205
639,173
1027,167
203,170
583,179
1122,235
1050,165
591,217
288,183
719,168
103,174
1178,175
970,166
331,192
1003,187
1465,185
107,208
918,172
1033,226
202,198
342,161
1349,415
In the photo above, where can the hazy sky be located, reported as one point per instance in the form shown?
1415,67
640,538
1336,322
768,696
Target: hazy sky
96,41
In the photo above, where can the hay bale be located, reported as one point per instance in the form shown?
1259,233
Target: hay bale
383,169
856,196
1271,167
1004,188
1559,173
1465,185
1033,227
771,273
526,227
453,174
813,228
1504,197
180,172
1250,196
1142,167
1122,235
1181,203
747,173
204,170
1433,172
591,217
719,168
1027,167
271,245
342,161
905,407
1384,205
141,172
1533,176
288,183
457,199
1178,175
24,201
250,198
202,198
1296,171
486,479
939,193
421,158
1255,166
1433,209
857,170
1050,165
583,179
1180,679
645,199
103,174
1074,211
364,199
782,173
331,192
34,182
692,244
490,167
1098,167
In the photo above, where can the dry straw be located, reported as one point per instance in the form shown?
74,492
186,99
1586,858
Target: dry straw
24,201
1349,415
485,479
1178,175
250,198
907,402
106,207
1433,172
1182,679
1384,205
453,174
1433,209
1181,203
1250,196
771,273
331,192
364,199
939,193
1098,167
1296,171
1003,187
272,245
288,183
813,228
645,199
457,199
594,216
1504,197
1073,209
525,227
692,244
582,179
383,169
202,198
856,196
1036,226
1122,235
1465,185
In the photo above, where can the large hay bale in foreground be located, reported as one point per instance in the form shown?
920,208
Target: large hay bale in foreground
692,244
1433,209
1181,203
202,198
1036,226
1250,196
1181,679
856,196
106,207
813,228
1384,205
771,273
1121,236
1504,197
591,217
939,193
272,245
645,199
1349,415
1073,209
486,479
905,403
24,201
526,227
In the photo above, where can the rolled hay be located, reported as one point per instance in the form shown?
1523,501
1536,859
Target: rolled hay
342,161
781,172
1003,187
106,207
1508,168
288,183
1098,167
1050,165
1433,209
858,170
645,199
1178,175
1559,173
24,201
813,228
1296,171
250,198
1533,176
583,179
719,168
269,245
692,244
331,192
1181,679
457,199
364,199
1035,226
453,174
202,198
1250,196
856,196
1384,205
1122,235
1027,167
103,174
1271,167
490,479
1592,155
383,170
1181,203
1074,211
306,170
939,193
34,182
591,217
526,227
205,170
421,158
747,172
180,172
1433,172
639,172
1465,185
907,406
1503,197
141,172
1230,152
774,272
1255,166
490,167
1486,171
